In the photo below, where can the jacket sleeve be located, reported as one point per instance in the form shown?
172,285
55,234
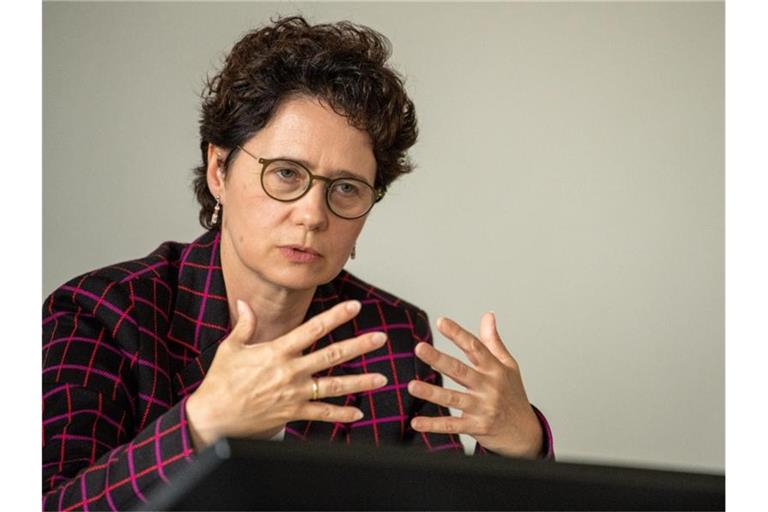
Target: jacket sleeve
97,452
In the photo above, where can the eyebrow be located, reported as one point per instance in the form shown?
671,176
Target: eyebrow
339,173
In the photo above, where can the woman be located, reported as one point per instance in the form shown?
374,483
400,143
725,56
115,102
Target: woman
254,329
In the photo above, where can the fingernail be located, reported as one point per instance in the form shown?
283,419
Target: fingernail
379,338
358,416
379,380
240,307
353,306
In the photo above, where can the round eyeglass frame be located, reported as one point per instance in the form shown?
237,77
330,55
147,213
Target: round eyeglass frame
378,194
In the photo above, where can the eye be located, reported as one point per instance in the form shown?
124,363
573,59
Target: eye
286,173
346,188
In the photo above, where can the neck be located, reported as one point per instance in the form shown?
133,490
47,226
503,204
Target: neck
278,310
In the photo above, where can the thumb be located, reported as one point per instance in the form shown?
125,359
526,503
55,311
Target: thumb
246,325
489,335
488,332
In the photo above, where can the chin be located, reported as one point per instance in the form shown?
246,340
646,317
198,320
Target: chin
303,278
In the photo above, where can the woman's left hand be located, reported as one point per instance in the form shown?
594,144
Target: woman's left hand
494,408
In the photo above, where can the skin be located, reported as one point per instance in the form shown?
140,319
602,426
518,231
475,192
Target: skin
259,380
254,225
494,407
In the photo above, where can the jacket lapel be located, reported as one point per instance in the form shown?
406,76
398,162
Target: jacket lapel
200,319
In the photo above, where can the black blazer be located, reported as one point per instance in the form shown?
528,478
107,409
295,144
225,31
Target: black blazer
124,346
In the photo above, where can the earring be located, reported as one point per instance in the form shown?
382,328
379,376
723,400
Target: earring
354,252
215,215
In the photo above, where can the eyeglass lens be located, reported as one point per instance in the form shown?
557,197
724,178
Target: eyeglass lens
347,197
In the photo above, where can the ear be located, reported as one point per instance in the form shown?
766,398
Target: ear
214,173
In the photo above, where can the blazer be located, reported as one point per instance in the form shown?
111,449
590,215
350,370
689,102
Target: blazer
124,346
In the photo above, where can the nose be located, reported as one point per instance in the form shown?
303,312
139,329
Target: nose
310,210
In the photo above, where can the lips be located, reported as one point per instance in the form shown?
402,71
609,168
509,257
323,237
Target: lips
299,253
301,248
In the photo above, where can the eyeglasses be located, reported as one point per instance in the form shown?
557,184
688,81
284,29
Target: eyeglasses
286,181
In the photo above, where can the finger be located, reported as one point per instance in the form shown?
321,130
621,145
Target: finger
245,326
347,385
320,325
488,327
443,425
466,341
321,411
489,335
448,365
339,352
441,396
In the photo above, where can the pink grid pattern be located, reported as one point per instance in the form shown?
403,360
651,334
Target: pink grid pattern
124,346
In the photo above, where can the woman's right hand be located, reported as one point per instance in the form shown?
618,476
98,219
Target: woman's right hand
253,390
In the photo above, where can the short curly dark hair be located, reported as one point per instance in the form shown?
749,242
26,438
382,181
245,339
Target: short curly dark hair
343,64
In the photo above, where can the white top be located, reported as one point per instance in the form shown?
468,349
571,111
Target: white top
279,436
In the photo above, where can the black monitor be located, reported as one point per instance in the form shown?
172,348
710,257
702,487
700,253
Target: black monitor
235,474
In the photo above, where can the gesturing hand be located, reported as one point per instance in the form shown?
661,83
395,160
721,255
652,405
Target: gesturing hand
253,390
494,408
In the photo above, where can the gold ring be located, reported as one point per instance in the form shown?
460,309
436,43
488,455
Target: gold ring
315,389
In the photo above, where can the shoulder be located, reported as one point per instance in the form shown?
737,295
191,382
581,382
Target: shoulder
381,307
93,326
115,288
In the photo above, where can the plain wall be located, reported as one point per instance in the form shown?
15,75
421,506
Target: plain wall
570,177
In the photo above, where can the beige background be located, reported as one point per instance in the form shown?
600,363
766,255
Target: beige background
571,171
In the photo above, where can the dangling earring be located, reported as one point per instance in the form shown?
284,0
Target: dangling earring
215,215
354,252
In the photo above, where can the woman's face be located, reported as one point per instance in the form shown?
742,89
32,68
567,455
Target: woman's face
300,244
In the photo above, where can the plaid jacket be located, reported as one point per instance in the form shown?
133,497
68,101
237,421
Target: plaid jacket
124,346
